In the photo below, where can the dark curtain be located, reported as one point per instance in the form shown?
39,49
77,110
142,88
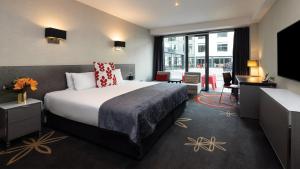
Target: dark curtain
158,55
241,51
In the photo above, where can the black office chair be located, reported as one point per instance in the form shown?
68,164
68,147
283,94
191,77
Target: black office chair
228,84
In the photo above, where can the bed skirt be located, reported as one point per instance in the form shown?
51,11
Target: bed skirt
111,139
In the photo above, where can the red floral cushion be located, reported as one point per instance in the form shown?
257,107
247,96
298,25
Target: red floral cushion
161,77
104,74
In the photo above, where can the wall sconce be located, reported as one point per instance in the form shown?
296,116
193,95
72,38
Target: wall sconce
119,45
55,35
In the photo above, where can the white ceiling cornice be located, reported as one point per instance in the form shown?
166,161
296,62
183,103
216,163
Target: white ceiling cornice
203,26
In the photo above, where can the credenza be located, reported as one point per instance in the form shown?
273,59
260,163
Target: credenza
279,117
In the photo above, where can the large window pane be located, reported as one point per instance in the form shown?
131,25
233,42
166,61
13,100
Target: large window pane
220,56
174,56
197,55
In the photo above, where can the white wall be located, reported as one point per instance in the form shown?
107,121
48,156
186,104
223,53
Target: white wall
282,14
90,35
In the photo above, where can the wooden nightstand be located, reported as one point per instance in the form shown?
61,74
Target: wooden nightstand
17,120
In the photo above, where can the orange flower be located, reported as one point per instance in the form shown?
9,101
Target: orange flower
33,84
24,83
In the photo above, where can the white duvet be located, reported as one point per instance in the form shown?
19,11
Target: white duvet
83,106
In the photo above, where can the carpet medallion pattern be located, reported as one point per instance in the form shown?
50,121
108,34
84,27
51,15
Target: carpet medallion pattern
39,145
229,114
181,122
205,144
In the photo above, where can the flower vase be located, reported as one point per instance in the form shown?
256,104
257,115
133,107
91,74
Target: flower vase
22,98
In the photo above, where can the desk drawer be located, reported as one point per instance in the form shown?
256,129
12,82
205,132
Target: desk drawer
24,127
24,112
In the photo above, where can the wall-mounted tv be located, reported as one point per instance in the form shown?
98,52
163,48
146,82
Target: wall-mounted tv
288,46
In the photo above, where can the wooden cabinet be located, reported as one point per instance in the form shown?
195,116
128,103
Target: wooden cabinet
17,120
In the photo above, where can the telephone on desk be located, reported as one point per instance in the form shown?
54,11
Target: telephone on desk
266,79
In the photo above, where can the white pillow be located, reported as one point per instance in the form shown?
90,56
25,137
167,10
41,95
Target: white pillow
70,82
84,80
118,75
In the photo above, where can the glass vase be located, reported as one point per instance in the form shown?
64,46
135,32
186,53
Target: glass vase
22,98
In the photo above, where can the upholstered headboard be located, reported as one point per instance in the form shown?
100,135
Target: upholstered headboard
50,78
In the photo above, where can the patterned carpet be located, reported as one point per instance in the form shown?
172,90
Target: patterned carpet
209,135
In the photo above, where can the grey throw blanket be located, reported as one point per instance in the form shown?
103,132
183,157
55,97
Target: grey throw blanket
138,112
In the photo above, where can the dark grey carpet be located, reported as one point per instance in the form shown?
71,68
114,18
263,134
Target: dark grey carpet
246,147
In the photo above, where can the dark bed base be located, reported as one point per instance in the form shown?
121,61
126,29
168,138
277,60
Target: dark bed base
114,140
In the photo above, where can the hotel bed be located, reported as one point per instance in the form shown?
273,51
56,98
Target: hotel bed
86,113
83,106
134,110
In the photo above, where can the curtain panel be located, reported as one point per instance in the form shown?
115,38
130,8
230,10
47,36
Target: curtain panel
158,60
241,51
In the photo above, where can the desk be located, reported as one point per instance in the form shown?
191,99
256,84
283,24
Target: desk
249,95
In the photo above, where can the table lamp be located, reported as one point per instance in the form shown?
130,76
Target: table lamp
253,64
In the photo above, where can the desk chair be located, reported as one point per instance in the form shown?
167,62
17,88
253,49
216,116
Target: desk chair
228,84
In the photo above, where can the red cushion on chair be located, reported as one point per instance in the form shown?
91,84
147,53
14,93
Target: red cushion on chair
161,77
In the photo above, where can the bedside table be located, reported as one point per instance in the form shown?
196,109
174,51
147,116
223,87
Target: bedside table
18,120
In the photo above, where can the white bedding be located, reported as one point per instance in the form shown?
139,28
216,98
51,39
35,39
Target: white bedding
83,105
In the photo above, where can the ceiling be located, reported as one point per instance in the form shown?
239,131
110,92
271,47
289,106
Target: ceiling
163,13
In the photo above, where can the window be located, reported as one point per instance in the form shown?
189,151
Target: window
222,34
175,61
201,37
179,61
222,47
170,61
227,60
174,47
201,48
174,55
192,62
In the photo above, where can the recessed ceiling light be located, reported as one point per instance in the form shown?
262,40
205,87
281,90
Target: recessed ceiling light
177,3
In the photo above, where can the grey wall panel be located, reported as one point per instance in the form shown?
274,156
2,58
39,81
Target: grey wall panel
50,78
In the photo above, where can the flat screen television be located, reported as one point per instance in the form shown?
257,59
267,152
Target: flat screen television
288,46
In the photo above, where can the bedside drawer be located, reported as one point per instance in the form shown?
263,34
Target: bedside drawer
24,112
24,127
